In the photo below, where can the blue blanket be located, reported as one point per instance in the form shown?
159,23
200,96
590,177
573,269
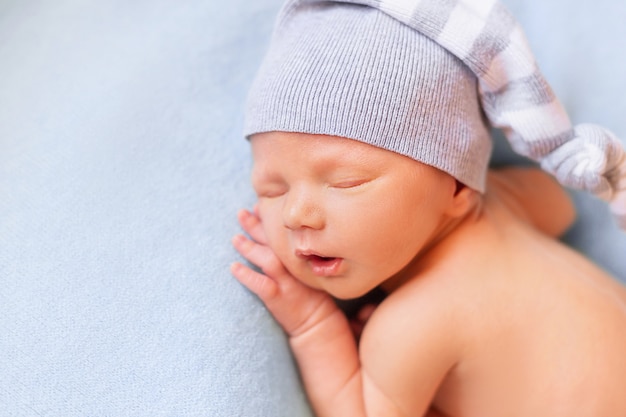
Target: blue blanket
121,168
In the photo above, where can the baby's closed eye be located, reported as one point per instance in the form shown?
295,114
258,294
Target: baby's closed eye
349,182
271,192
267,189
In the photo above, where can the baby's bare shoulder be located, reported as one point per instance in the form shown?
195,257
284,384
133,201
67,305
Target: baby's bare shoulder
425,314
533,196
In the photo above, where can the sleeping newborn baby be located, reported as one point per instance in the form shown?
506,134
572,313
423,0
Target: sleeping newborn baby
368,123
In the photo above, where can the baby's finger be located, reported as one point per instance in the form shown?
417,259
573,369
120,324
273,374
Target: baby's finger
261,285
251,223
365,313
260,255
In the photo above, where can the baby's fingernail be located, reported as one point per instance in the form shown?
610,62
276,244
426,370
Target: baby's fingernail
238,240
242,244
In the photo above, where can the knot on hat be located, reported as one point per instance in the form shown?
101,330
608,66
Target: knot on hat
592,160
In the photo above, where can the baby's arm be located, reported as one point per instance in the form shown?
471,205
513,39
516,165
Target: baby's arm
535,196
319,333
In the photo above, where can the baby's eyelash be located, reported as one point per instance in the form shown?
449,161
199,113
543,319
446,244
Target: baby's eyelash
350,183
270,193
269,190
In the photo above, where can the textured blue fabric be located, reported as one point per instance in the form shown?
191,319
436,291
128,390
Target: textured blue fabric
121,168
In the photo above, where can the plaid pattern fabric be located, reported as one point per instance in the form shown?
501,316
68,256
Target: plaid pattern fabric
514,94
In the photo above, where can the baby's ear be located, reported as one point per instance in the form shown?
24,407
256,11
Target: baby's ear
463,200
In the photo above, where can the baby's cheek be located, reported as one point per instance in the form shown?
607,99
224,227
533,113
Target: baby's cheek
276,235
269,217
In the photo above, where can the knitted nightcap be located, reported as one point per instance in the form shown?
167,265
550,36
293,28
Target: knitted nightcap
426,78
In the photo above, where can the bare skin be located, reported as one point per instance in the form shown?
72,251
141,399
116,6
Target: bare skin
488,315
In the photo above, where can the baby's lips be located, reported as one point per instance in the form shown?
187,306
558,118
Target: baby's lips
308,254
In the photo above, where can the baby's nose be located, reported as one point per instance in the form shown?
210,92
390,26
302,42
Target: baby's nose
302,211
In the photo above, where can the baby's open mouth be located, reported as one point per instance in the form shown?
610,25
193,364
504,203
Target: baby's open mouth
322,265
314,257
317,258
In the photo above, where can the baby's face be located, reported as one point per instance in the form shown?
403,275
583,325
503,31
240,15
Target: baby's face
342,215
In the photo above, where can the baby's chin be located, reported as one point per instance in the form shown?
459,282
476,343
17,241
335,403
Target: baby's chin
344,292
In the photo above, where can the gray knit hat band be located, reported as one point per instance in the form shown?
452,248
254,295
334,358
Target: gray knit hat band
355,72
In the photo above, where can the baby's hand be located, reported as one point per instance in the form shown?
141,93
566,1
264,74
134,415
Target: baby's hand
358,322
295,306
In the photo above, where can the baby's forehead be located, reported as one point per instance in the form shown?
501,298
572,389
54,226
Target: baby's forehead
287,152
289,146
